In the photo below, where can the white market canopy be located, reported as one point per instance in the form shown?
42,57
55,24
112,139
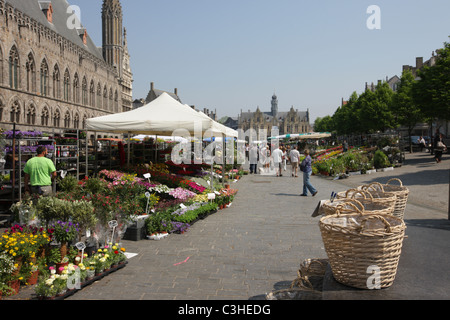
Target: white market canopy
304,136
163,116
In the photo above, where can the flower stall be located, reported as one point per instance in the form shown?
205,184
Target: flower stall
43,249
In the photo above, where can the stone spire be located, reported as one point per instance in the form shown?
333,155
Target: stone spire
112,33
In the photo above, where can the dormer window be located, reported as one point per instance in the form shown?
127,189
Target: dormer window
82,32
47,9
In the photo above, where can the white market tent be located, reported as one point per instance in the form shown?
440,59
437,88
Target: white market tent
162,116
304,136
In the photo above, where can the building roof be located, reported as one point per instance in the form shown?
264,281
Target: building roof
65,24
245,116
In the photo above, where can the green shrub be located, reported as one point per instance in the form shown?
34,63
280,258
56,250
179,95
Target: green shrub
380,160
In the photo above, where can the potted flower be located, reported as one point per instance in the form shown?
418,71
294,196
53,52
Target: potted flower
6,290
7,267
65,232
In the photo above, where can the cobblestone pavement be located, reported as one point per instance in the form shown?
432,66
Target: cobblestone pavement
256,245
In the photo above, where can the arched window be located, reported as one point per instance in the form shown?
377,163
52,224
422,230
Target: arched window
99,96
56,83
1,110
15,112
111,105
44,78
14,68
92,94
31,115
66,85
76,121
116,101
45,116
84,92
57,119
84,122
31,73
1,66
76,89
105,98
67,120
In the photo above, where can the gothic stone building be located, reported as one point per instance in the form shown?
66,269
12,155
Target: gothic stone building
291,122
52,75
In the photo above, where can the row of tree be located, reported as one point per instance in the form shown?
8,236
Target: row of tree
417,100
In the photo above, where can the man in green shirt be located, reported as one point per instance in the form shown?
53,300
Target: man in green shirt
39,172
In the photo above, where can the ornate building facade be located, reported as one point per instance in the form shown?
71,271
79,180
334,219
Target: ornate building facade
52,75
291,122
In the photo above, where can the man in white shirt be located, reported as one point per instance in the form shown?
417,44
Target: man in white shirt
294,155
277,156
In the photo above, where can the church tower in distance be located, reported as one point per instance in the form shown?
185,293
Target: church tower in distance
115,49
112,34
274,105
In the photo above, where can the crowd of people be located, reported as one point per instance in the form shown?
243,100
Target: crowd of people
265,159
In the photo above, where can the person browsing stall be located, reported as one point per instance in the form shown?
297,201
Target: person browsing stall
39,173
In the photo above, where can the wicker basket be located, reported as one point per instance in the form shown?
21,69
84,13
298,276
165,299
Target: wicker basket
363,206
400,191
358,244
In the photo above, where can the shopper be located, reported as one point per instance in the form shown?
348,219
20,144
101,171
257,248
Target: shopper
277,156
294,155
439,148
253,154
39,172
307,171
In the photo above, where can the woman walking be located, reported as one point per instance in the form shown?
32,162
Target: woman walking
307,171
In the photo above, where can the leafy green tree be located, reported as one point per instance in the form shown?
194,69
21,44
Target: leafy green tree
432,92
344,117
374,109
324,124
403,106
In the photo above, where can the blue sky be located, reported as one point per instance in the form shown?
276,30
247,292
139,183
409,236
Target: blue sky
233,55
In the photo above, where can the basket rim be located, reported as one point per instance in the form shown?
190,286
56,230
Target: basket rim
400,227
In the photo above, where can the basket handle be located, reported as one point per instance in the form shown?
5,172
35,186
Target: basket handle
363,193
373,185
396,179
348,191
349,202
387,225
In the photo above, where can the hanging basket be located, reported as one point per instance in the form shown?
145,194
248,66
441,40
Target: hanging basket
401,192
363,250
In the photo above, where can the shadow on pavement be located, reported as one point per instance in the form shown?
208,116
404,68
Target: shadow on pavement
429,223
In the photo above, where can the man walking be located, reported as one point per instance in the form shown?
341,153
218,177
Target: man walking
294,155
39,172
253,155
277,156
307,171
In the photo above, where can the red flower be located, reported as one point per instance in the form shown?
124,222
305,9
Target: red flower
116,252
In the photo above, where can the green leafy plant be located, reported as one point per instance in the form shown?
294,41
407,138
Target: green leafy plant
380,160
84,215
68,183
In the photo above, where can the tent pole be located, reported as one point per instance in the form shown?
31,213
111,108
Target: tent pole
129,148
156,149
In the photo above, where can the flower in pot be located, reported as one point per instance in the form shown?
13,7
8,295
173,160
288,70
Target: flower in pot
64,232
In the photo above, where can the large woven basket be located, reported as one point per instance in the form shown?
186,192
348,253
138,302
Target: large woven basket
400,191
366,206
358,245
365,195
